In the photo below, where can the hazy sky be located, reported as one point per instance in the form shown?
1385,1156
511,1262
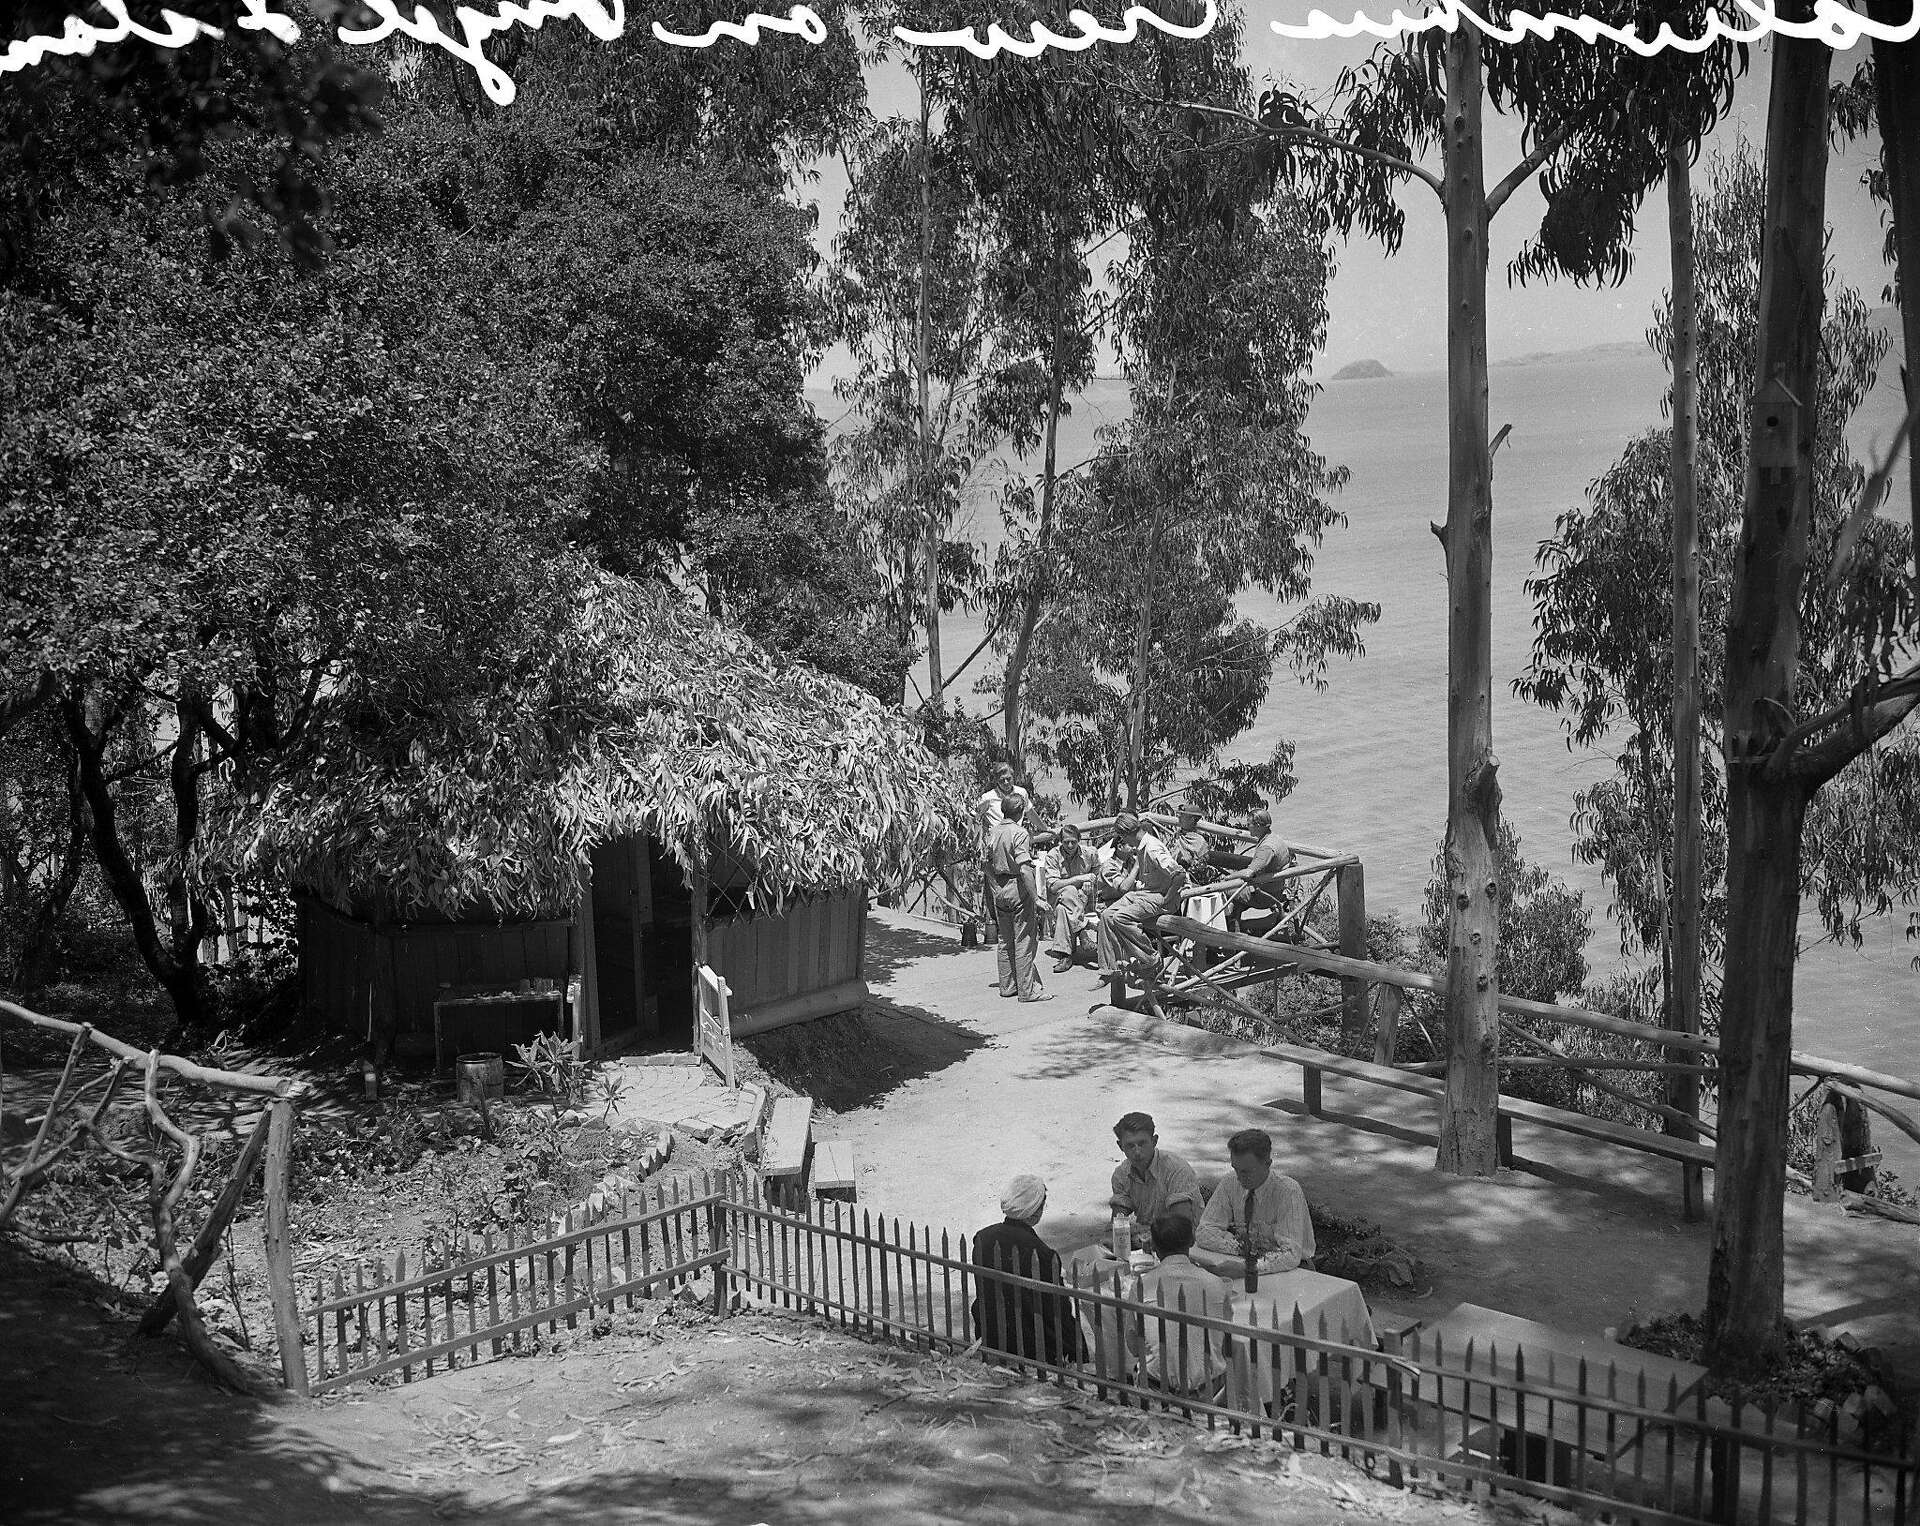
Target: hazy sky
1390,309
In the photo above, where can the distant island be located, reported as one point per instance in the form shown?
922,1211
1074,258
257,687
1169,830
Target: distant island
1361,370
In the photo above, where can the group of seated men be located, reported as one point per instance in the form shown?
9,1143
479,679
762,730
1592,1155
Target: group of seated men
1105,900
1256,1215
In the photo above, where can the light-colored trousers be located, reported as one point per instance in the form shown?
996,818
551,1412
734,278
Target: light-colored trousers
1019,945
1126,927
1069,916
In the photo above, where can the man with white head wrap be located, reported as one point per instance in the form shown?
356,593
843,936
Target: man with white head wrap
1028,1322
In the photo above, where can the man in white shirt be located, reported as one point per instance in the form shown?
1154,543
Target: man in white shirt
1179,1357
1071,869
1260,1200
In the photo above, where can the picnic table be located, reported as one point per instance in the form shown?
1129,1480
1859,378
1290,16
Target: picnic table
1323,1307
1540,1435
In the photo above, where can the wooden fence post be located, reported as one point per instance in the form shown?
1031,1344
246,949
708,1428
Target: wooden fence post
206,1244
1350,887
1386,1022
286,1323
716,1233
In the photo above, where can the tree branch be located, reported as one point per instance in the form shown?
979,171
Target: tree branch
1522,172
1301,134
17,706
1874,714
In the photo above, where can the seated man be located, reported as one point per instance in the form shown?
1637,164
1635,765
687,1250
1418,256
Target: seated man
1151,1182
1174,1355
1253,891
1152,886
1071,868
1260,1205
1191,847
1023,1321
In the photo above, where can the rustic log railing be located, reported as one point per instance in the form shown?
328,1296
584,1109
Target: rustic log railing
1846,1079
272,1139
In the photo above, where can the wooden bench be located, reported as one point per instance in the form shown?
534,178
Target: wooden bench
834,1168
1314,1063
783,1143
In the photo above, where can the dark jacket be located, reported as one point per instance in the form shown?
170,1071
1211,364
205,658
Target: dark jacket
1024,1321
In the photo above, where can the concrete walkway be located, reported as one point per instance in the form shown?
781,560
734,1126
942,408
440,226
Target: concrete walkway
1580,1235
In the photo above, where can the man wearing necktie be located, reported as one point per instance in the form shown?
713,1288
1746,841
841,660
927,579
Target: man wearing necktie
1267,1207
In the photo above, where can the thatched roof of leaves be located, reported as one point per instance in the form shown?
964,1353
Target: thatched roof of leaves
644,716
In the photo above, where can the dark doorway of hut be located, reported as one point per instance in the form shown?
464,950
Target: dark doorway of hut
643,947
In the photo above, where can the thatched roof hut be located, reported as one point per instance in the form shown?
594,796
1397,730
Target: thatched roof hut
651,758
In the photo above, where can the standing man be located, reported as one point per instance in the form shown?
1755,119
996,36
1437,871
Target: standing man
1151,1182
1268,1211
1071,867
1152,887
990,810
1016,904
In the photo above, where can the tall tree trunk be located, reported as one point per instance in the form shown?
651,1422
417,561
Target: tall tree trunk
1683,1005
929,493
1896,79
1766,803
1469,1108
1041,573
1137,711
176,969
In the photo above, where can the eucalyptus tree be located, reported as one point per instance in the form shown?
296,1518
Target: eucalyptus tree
1210,487
909,276
1047,148
1605,656
1422,98
1779,756
1653,133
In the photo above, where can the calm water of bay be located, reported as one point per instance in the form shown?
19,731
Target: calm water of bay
1371,749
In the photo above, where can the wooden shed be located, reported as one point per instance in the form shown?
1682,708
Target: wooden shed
703,802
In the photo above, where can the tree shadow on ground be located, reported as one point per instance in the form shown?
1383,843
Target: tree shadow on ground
97,1424
853,1059
891,947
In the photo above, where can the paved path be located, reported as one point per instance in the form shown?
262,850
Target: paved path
1581,1235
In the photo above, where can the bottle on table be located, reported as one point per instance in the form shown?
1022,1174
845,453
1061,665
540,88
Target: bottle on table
1122,1244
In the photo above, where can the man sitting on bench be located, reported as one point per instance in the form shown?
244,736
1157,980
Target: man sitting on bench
1152,887
1258,1207
1253,904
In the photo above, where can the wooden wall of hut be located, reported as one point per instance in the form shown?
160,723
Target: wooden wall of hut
370,978
805,962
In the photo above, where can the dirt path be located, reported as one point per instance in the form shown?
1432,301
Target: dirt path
673,1418
1583,1236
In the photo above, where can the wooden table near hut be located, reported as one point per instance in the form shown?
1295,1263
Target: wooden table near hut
1325,1309
490,1019
1533,1435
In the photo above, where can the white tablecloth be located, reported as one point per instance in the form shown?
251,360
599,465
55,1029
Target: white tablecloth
1257,1369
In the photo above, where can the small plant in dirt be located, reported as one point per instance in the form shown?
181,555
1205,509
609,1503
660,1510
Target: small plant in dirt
552,1067
1360,1251
1834,1381
608,1088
